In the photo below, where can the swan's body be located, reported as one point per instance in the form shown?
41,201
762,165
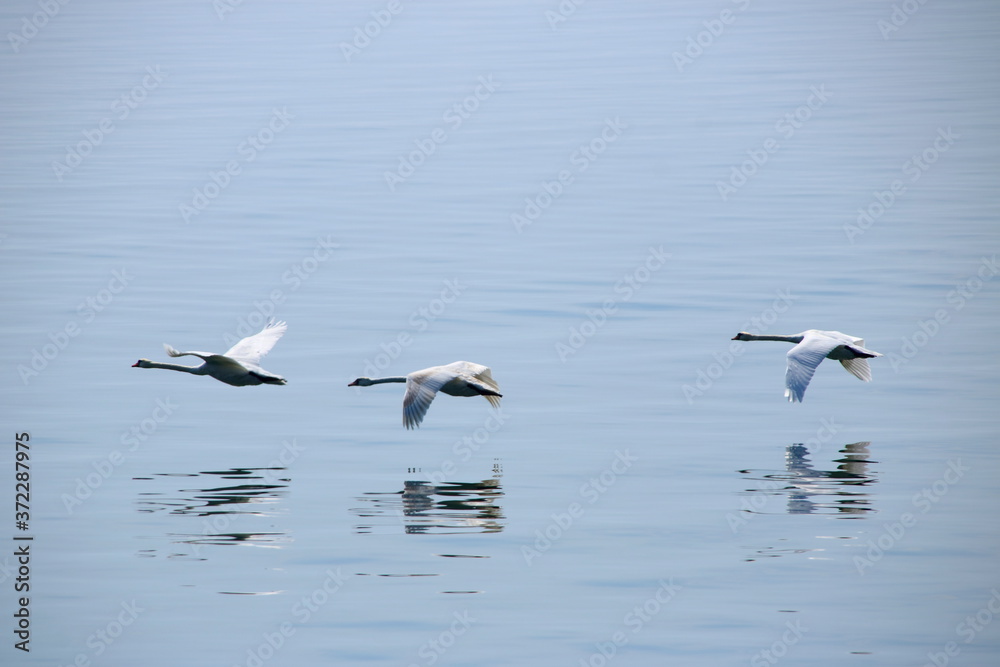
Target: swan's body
460,378
238,367
812,347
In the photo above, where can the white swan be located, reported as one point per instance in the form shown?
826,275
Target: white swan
238,367
812,347
459,378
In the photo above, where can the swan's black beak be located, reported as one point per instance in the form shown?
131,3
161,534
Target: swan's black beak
353,384
135,365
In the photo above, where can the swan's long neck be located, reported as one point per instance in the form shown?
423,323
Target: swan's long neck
398,378
195,370
785,339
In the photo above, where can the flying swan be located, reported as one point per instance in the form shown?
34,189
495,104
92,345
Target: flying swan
460,378
238,367
811,348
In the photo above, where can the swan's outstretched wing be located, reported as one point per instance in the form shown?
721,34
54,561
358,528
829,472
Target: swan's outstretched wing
421,388
253,348
803,360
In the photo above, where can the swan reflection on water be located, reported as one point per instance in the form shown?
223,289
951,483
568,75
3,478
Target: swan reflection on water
427,508
218,502
809,490
841,492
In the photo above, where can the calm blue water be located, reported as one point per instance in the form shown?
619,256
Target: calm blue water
590,202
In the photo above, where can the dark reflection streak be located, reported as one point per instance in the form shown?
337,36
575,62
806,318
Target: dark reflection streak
218,507
241,488
228,538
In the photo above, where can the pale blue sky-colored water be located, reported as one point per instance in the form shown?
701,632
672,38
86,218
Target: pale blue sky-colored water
590,202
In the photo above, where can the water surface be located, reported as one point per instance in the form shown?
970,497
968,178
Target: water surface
568,202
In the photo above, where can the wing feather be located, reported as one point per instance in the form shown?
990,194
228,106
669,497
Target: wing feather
485,390
421,388
486,377
480,378
859,368
253,348
802,362
174,353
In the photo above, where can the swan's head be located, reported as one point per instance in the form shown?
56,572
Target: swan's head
743,335
361,382
142,363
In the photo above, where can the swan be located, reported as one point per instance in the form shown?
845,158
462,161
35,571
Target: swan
238,367
811,347
459,378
